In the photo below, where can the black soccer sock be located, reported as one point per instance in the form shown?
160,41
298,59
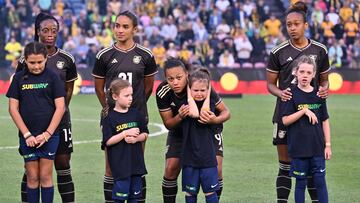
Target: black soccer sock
191,199
33,195
65,185
143,190
283,182
108,186
24,198
219,191
312,189
169,190
213,198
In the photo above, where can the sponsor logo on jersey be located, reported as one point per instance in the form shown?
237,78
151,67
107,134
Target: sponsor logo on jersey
60,64
213,186
29,155
298,173
34,86
190,188
309,106
126,126
119,194
137,59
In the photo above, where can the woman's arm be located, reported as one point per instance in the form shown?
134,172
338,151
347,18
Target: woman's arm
148,84
171,121
99,89
272,87
209,117
193,109
69,87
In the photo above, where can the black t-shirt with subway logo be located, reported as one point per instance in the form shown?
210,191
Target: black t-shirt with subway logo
36,95
125,159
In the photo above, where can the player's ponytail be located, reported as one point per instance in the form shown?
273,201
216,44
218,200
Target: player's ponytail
299,7
199,74
115,87
39,19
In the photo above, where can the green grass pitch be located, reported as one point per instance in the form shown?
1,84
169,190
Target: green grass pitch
250,162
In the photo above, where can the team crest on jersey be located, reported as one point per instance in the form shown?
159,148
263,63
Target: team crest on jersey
281,134
313,57
60,64
137,59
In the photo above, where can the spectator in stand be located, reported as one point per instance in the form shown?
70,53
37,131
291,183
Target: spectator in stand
345,12
240,14
191,13
248,7
335,54
259,50
333,16
105,40
200,31
159,54
185,53
355,49
327,27
317,16
273,26
339,30
115,6
60,6
81,50
215,19
211,60
227,60
169,31
357,14
145,19
165,9
321,5
243,47
83,21
91,56
222,5
204,15
155,38
13,49
223,28
186,33
171,52
201,50
91,39
351,29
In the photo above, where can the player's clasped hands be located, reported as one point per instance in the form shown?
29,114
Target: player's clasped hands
183,111
286,94
323,92
312,117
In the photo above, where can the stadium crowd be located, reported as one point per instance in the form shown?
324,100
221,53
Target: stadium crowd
221,33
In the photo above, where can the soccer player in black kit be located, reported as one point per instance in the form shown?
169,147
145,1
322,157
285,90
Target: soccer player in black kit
63,64
280,77
129,61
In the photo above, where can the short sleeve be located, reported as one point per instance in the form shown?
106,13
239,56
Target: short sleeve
324,64
58,87
71,73
215,97
142,124
106,129
14,89
162,99
99,70
150,66
287,107
324,112
273,63
21,64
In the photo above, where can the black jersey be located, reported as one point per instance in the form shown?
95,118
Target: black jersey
282,59
132,65
198,149
63,64
304,138
36,95
125,159
166,100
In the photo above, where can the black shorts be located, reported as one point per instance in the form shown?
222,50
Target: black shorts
65,141
174,144
279,134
